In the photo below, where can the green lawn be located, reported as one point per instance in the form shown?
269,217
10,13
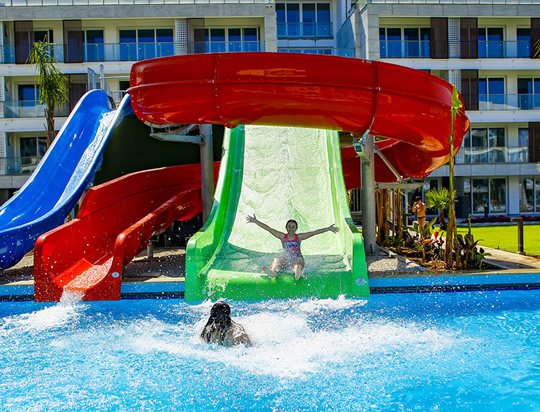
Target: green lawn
505,237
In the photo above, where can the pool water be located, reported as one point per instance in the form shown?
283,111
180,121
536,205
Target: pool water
440,351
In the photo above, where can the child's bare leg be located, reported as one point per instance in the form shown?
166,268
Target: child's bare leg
298,270
274,267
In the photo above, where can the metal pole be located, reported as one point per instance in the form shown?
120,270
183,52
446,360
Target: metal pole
368,195
207,170
519,221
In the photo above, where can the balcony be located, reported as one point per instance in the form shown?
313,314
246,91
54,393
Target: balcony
509,102
493,155
421,49
397,49
16,109
321,50
18,166
304,30
113,52
26,3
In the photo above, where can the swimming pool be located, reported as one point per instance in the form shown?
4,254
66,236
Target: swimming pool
431,351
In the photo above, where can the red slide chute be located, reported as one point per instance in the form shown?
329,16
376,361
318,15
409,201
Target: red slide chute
410,108
115,222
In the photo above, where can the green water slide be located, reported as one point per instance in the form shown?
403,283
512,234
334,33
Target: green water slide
277,173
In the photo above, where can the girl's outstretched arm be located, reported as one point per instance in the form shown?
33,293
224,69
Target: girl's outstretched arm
306,235
274,232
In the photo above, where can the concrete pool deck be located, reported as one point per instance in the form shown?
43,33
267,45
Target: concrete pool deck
163,275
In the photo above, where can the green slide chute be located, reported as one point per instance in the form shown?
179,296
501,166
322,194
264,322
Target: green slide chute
277,173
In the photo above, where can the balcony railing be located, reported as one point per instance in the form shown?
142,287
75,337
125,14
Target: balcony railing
103,52
362,3
23,3
491,155
29,108
17,166
421,49
297,29
323,51
509,102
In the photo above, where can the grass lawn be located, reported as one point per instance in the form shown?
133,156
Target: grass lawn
505,237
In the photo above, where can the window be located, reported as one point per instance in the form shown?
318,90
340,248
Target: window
43,35
32,150
405,42
28,95
529,195
529,93
241,39
303,20
524,43
490,42
93,46
146,43
521,153
491,93
488,195
485,145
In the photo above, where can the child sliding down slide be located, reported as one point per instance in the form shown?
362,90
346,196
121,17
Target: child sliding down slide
291,257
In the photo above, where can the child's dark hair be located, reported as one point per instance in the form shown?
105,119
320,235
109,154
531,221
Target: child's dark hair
220,321
292,221
417,198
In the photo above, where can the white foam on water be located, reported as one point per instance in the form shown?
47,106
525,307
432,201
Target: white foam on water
288,344
67,311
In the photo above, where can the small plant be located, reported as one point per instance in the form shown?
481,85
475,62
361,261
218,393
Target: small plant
470,256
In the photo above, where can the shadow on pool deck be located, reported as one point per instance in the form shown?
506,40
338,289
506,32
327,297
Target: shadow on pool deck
168,264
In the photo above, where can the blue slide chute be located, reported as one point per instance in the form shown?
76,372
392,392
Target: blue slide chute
65,172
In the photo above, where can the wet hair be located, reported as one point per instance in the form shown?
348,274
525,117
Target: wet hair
218,324
292,221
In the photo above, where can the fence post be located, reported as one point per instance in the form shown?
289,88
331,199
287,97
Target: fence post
519,221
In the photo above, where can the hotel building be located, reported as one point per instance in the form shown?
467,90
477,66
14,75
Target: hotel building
484,47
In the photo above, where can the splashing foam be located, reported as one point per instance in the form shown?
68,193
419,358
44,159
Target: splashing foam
67,311
286,345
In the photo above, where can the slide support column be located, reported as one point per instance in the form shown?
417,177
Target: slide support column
207,169
368,194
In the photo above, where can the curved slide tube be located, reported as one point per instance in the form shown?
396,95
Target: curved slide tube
409,108
61,178
114,223
277,173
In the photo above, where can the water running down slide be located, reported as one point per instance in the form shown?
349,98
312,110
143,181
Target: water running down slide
66,171
277,173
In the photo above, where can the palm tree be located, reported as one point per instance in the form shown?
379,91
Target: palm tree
451,230
438,199
53,90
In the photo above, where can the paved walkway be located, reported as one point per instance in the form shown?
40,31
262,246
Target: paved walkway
168,264
511,261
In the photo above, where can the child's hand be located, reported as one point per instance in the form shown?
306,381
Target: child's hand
333,228
251,219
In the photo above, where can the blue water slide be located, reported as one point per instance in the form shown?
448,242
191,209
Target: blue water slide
65,173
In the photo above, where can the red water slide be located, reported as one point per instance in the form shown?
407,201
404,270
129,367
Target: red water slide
114,223
409,108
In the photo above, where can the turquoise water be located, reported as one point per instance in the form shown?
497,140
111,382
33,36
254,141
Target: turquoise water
439,352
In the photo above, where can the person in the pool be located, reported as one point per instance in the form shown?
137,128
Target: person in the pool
221,329
291,257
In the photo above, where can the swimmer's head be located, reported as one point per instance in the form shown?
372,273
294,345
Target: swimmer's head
291,226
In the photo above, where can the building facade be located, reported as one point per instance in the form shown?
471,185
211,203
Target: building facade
484,47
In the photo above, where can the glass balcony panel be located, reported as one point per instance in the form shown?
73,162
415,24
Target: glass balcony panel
493,155
16,166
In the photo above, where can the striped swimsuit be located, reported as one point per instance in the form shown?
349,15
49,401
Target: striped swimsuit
291,247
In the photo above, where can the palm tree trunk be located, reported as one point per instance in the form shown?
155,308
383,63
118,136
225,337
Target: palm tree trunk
49,116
